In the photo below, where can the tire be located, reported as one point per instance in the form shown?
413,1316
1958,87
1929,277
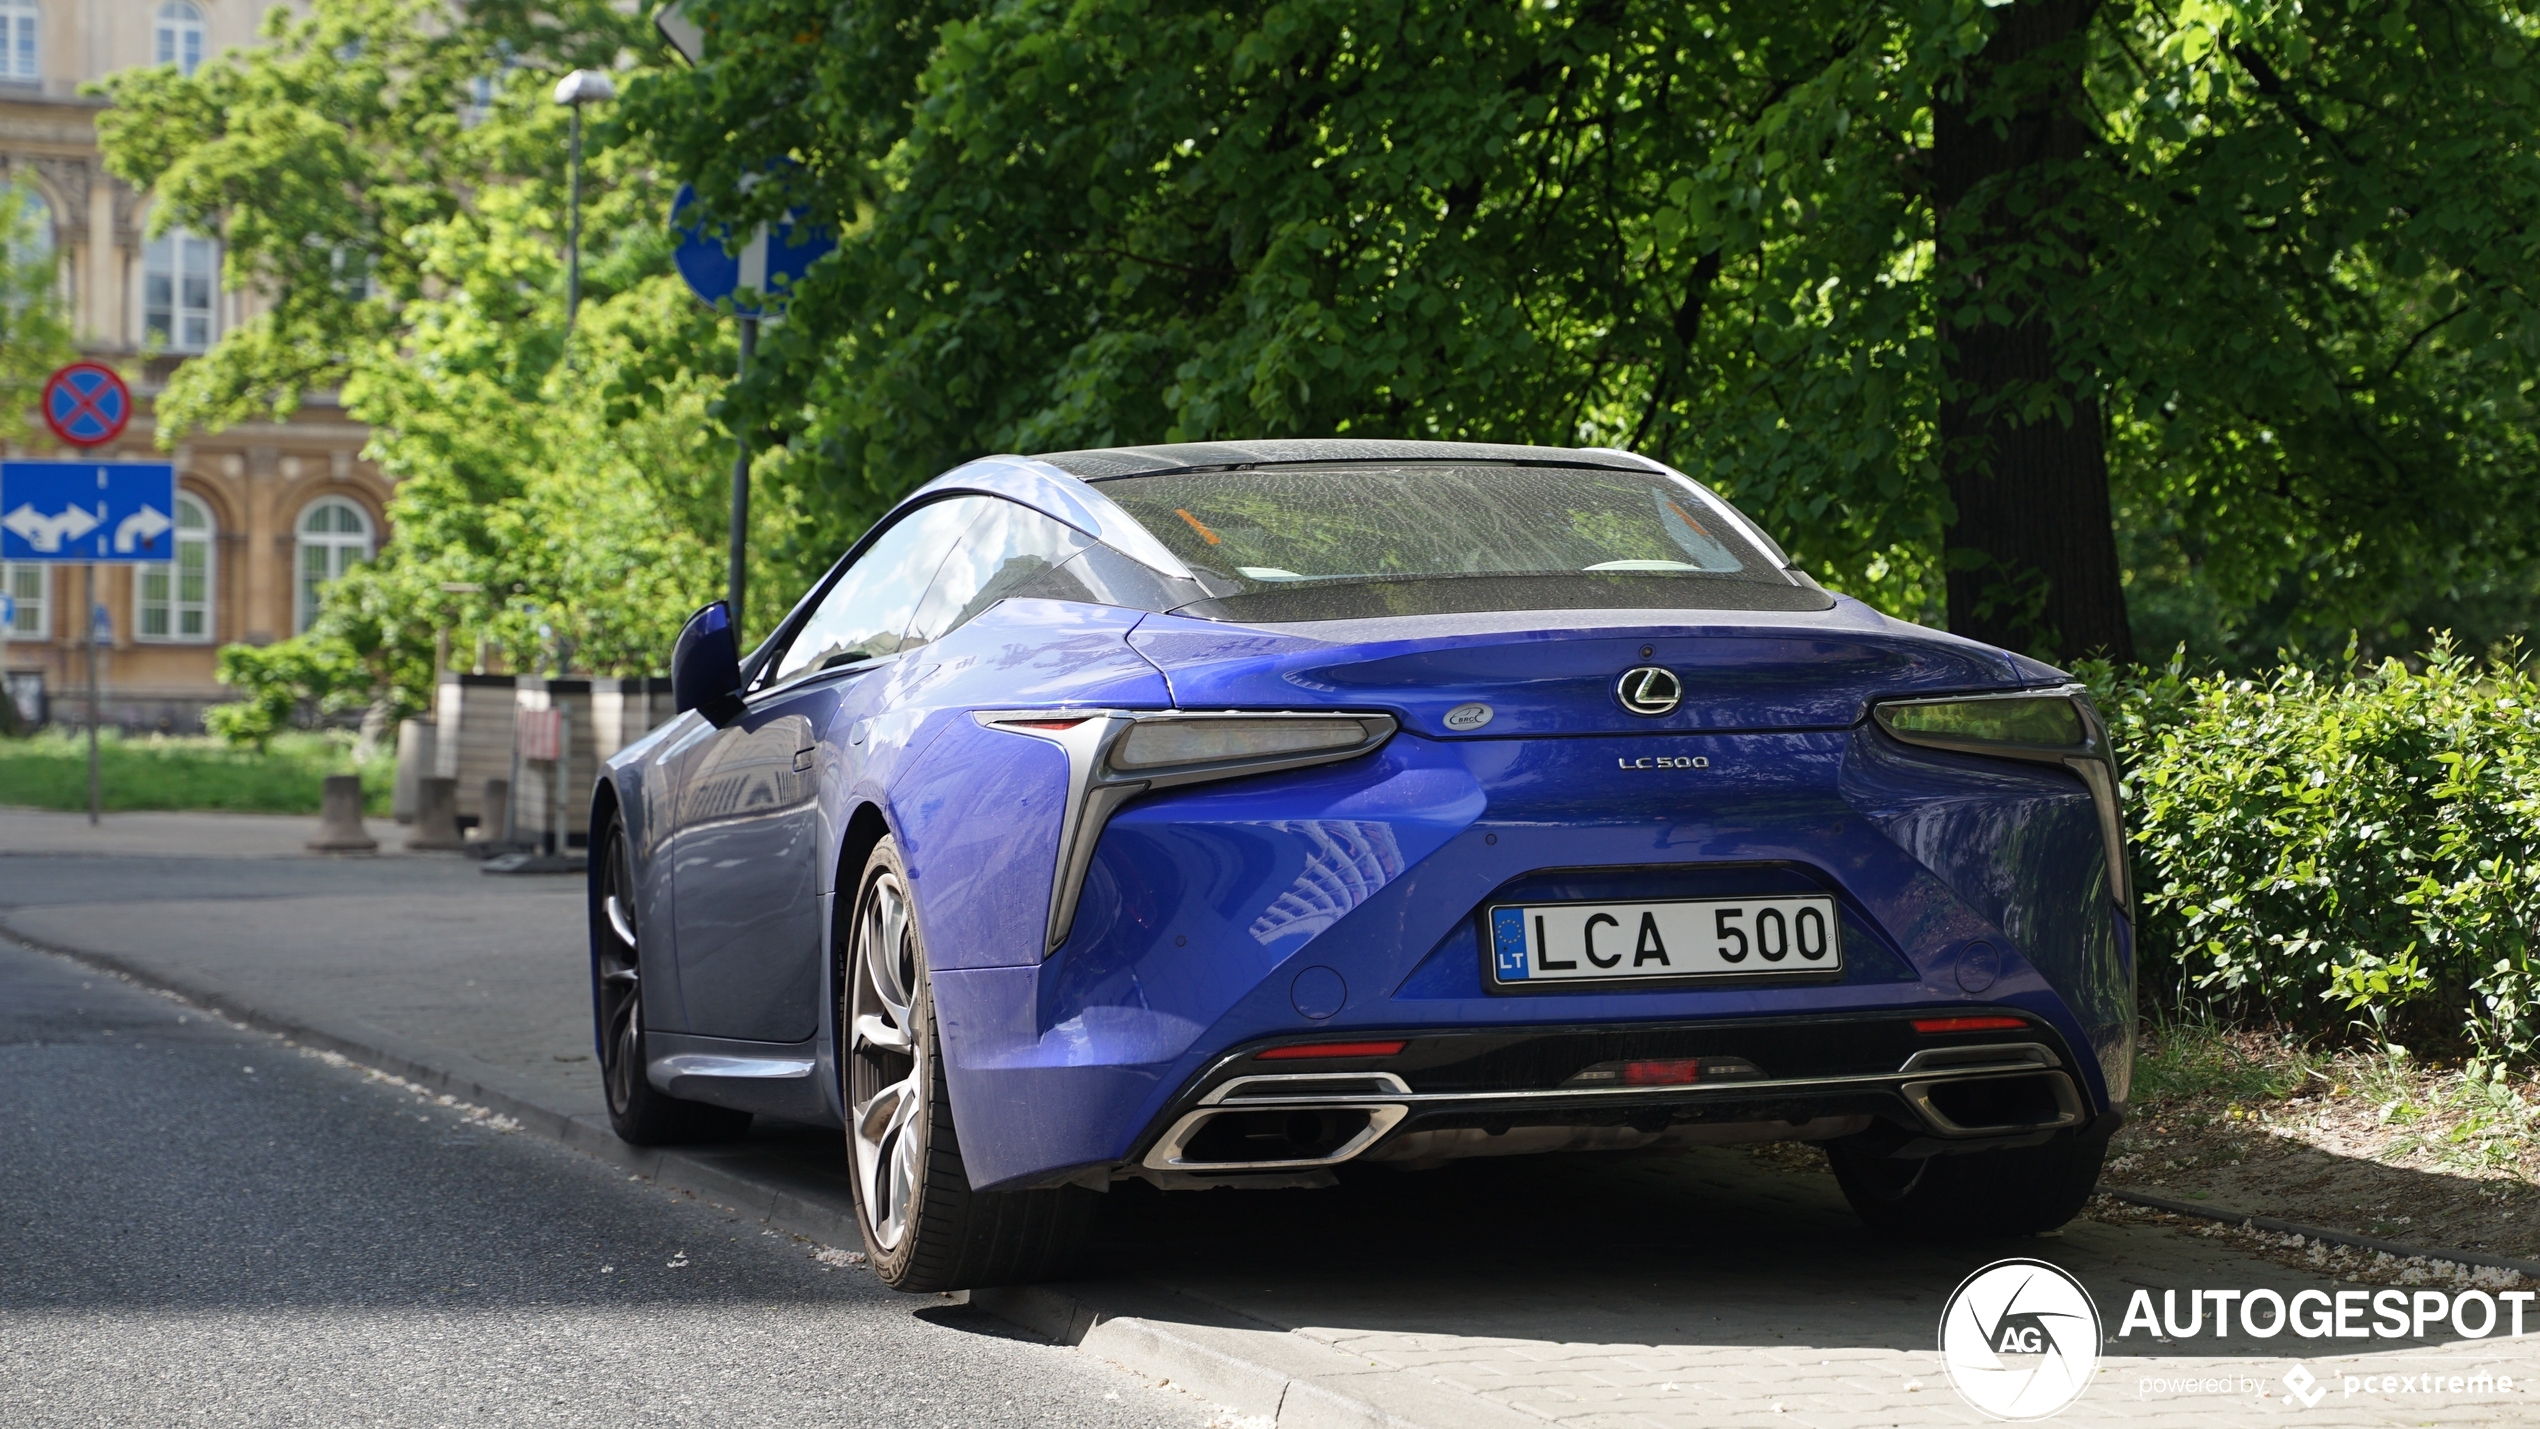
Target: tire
925,1229
2018,1191
639,1112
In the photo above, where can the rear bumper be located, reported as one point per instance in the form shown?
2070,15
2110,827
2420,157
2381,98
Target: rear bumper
1246,1117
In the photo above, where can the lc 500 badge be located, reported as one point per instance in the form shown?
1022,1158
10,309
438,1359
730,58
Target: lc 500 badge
1663,761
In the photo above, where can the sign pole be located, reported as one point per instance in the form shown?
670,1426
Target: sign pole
755,278
737,585
88,511
88,611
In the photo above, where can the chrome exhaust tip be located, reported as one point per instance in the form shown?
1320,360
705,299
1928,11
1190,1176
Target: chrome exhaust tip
1222,1134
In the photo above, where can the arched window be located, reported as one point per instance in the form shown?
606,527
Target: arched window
178,273
17,41
26,227
334,537
31,227
180,35
174,601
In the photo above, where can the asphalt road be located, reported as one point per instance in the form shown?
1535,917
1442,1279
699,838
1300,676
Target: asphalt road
183,1241
204,1226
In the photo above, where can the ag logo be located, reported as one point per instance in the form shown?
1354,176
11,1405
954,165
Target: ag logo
1649,690
2020,1338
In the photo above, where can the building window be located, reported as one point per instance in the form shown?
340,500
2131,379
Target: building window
334,538
17,41
30,234
32,583
177,276
174,601
180,34
352,273
28,220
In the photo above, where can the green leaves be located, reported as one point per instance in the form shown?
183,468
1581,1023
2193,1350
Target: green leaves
2286,264
1689,230
392,176
2314,848
35,334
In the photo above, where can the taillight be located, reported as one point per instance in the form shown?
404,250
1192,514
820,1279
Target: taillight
1930,1025
1319,1050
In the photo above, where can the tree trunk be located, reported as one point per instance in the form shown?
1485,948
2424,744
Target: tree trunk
2032,555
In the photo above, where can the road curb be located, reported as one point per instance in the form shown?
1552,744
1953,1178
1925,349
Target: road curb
1257,1369
2320,1233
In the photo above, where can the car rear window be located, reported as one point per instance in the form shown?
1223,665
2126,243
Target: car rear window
1349,541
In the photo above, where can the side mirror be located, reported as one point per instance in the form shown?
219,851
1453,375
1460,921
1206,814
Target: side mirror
705,666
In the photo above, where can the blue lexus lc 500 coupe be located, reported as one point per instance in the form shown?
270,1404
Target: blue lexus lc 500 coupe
1223,815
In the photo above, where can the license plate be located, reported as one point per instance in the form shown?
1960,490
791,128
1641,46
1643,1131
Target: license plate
1697,937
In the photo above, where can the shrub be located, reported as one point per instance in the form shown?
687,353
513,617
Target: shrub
2360,847
281,686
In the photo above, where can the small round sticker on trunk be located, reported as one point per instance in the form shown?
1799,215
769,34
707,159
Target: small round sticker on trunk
1465,718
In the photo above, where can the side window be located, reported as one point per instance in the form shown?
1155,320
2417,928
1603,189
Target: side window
1011,546
864,614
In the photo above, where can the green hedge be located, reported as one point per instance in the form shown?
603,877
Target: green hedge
2357,849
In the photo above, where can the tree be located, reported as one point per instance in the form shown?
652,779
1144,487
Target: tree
35,338
1928,285
2032,552
391,174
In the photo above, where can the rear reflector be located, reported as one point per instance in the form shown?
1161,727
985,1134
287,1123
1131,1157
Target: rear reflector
1929,1025
1674,1072
1329,1049
1042,723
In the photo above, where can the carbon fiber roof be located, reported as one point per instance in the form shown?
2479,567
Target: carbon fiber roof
1188,456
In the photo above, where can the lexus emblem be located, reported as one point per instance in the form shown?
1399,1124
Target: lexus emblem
1649,690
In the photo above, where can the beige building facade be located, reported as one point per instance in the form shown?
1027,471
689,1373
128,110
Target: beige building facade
266,511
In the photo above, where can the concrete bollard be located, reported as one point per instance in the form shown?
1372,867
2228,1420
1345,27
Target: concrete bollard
417,757
498,803
436,815
340,820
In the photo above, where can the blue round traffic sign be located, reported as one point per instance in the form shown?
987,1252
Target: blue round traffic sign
770,262
86,404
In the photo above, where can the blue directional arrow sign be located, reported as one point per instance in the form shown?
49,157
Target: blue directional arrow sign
115,512
772,261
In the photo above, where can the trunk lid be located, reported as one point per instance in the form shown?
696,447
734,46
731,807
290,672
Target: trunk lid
1556,673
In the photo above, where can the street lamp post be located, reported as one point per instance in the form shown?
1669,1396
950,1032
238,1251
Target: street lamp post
583,86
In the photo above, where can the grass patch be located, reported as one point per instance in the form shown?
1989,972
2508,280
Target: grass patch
2202,1080
2186,1061
50,771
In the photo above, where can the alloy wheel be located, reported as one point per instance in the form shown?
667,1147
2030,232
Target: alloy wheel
887,1073
621,985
